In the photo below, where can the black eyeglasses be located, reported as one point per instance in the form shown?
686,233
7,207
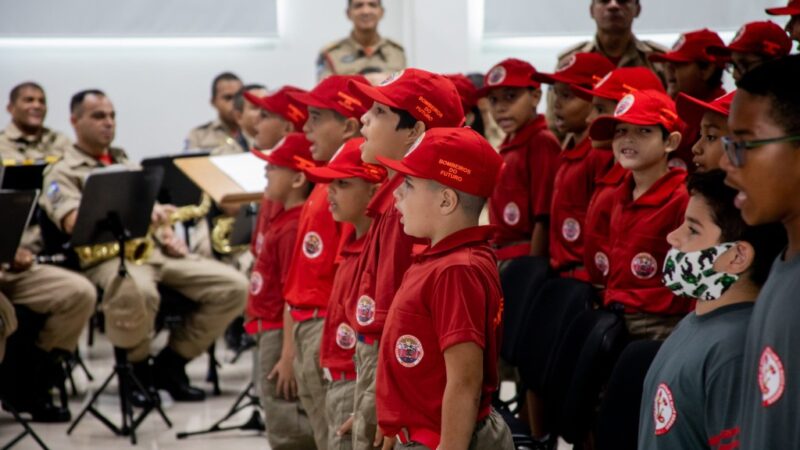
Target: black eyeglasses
735,149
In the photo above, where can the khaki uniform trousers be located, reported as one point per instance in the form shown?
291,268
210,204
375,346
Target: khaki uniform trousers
650,326
130,305
310,379
287,425
491,433
66,297
365,418
339,408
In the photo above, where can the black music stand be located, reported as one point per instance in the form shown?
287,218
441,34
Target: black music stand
26,177
116,206
176,188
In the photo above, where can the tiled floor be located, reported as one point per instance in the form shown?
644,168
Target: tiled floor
153,434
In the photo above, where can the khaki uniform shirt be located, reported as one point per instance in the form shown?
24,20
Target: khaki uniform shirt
634,56
233,146
209,136
64,181
348,57
16,147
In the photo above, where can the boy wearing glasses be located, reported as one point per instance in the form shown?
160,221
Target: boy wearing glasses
754,44
762,162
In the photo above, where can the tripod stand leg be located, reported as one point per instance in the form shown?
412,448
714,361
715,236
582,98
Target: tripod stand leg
27,431
90,405
238,405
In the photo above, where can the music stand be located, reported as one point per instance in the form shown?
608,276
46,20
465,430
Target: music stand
116,206
176,188
26,177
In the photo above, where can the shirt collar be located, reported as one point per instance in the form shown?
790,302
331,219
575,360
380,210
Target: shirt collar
353,245
661,191
614,176
75,157
523,136
368,51
579,151
461,238
15,134
384,198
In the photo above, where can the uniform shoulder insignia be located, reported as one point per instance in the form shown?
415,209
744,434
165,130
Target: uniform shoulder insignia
204,126
654,47
333,46
581,46
394,44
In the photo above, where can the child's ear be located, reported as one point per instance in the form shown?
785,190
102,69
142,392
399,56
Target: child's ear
673,141
536,97
299,180
415,132
352,128
737,259
448,202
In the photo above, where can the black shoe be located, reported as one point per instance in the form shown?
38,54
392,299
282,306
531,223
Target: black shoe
143,371
234,332
170,375
43,411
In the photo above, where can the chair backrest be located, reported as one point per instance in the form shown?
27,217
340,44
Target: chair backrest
559,301
618,419
586,368
521,280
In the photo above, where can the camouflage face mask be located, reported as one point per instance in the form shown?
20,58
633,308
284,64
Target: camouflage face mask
692,274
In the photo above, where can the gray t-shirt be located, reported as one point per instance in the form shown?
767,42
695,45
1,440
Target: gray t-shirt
771,388
690,398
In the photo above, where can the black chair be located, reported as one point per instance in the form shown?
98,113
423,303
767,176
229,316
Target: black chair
520,279
618,419
585,358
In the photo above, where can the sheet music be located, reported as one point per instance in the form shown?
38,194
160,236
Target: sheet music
244,169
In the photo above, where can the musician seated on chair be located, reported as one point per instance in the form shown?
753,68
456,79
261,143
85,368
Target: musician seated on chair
130,304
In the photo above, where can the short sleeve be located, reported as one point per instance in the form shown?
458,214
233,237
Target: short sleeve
62,194
458,307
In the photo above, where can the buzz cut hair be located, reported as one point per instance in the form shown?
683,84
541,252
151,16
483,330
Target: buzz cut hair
224,76
76,102
238,99
471,204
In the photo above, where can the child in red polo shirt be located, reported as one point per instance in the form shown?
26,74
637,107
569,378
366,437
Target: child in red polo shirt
520,204
266,315
351,184
754,44
713,120
332,118
792,9
604,97
648,205
580,165
437,367
403,107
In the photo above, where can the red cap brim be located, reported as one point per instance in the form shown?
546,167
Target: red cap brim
326,174
691,110
260,154
308,99
673,57
398,167
548,78
784,11
718,50
370,92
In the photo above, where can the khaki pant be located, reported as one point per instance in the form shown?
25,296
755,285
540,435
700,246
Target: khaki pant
131,304
650,326
365,419
67,299
310,379
490,434
339,408
287,425
8,323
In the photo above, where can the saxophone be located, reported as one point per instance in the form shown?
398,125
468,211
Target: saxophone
139,250
221,236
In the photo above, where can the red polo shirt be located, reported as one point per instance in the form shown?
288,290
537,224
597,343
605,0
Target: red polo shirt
446,297
265,302
310,280
266,212
338,336
574,184
598,221
383,261
525,187
639,245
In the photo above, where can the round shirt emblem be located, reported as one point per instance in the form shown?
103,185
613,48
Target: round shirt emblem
496,76
511,214
408,350
345,336
664,412
771,377
601,262
571,229
312,245
644,266
365,310
256,283
624,105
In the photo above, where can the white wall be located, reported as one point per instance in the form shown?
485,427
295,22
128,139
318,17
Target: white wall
162,90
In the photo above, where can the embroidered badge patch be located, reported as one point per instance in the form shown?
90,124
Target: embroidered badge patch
601,262
664,412
256,283
408,350
312,245
771,377
644,266
345,336
511,214
496,76
365,310
571,229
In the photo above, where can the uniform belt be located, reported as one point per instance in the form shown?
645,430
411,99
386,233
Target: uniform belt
315,313
430,438
367,340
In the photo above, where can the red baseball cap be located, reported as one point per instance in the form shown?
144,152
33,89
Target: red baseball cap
429,97
765,38
691,109
293,151
509,72
456,157
792,9
331,93
620,82
347,163
465,88
691,47
581,69
278,102
646,107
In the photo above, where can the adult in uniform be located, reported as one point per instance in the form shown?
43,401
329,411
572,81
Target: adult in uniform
364,50
130,304
613,39
212,134
26,137
246,116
